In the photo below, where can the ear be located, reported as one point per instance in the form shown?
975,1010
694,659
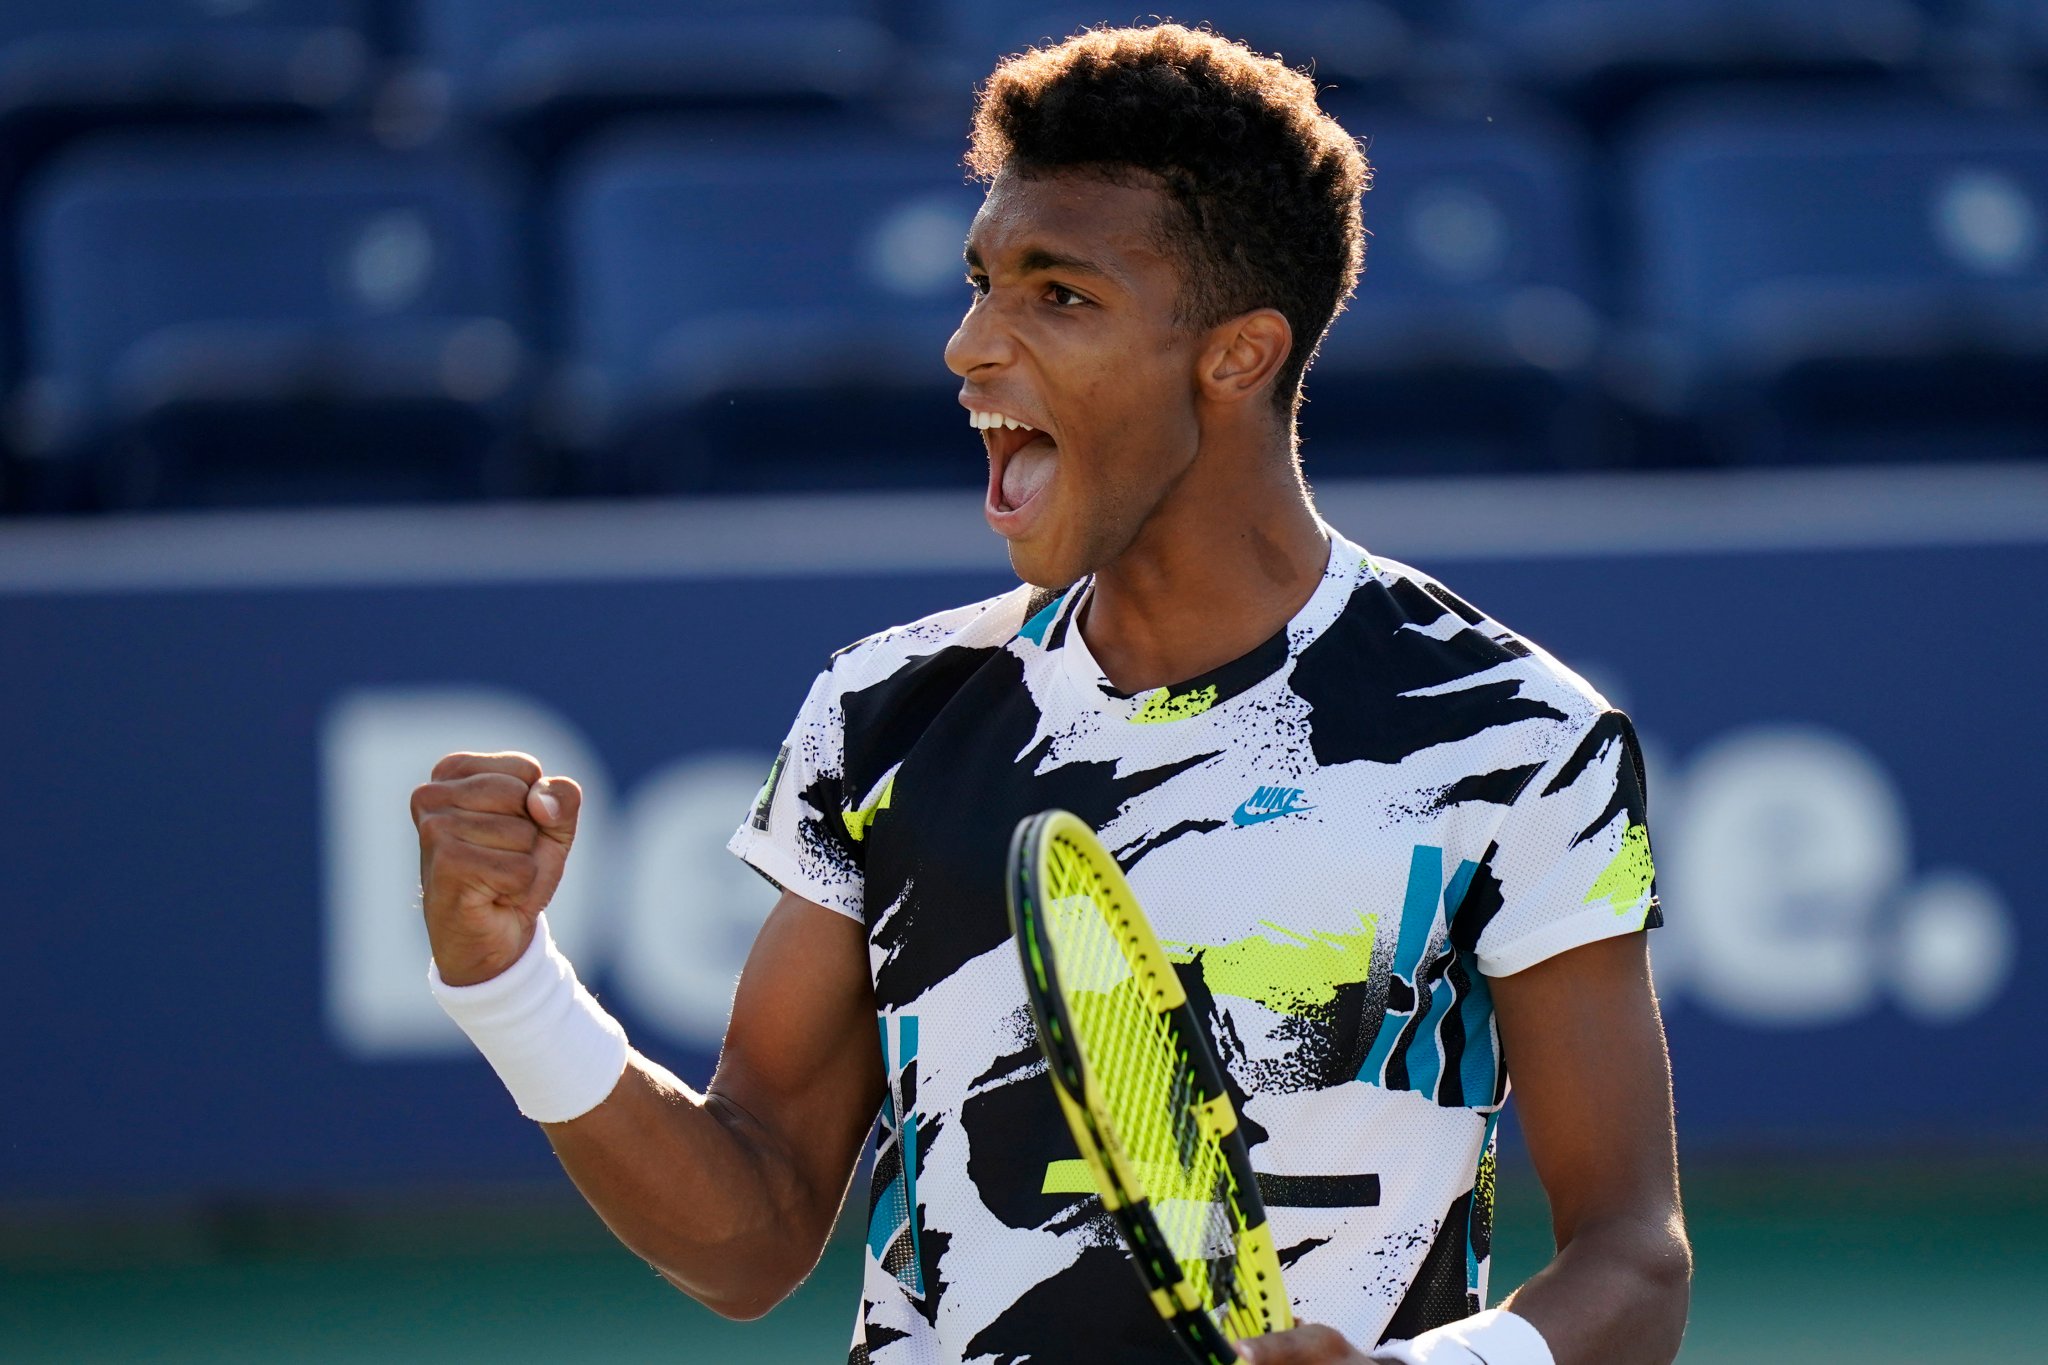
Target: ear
1244,355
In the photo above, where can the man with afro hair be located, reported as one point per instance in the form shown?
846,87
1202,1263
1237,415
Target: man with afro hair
1398,852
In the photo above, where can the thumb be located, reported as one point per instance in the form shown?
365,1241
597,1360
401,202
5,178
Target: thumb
554,803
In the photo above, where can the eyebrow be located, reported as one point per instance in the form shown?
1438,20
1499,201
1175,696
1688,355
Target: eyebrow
1037,258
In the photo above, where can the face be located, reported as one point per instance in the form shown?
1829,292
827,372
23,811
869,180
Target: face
1072,334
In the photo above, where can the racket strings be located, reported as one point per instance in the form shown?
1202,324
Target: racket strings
1147,1085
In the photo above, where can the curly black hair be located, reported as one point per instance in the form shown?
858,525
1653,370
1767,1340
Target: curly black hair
1265,185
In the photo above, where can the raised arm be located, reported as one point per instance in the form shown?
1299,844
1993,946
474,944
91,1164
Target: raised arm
730,1194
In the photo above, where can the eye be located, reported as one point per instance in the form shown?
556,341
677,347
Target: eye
979,283
1064,297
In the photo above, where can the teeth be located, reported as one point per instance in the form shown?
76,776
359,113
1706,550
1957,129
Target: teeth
984,421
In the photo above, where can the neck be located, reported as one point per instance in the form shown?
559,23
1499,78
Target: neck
1227,559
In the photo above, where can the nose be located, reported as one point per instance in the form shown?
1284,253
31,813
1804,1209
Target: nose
980,340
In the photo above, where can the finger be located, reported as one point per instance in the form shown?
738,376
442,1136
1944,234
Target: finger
554,805
491,793
525,767
1309,1344
509,833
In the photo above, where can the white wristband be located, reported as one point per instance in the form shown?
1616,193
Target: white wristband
1495,1337
548,1039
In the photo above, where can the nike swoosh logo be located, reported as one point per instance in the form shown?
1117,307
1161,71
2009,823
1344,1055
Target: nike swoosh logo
1245,815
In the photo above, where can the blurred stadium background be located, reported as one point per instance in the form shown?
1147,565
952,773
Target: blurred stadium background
388,376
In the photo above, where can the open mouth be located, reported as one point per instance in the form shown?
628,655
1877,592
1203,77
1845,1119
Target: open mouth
1021,463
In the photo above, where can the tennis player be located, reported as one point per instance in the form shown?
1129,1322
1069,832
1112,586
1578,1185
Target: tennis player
1397,851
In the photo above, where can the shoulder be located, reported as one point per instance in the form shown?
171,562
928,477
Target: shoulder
982,626
1410,666
1538,673
1571,725
881,693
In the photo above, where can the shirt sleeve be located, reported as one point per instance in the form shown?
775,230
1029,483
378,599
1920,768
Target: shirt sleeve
796,834
1571,863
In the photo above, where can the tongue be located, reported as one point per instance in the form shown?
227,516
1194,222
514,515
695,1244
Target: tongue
1028,471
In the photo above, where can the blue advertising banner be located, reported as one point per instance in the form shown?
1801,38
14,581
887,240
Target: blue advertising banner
214,972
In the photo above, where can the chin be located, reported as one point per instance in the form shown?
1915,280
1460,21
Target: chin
1047,559
1037,568
1056,565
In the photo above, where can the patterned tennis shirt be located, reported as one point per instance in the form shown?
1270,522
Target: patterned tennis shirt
1340,837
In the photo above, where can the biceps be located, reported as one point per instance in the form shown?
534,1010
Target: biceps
801,1055
1592,1082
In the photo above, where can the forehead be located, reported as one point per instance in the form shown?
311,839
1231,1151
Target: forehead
1071,213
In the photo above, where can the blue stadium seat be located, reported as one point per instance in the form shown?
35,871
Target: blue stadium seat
2019,28
753,308
12,491
1849,283
1470,341
1358,41
1566,41
270,318
115,52
512,58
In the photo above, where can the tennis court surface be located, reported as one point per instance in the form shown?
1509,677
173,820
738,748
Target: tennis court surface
1872,1264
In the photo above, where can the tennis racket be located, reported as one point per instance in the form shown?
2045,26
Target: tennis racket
1142,1091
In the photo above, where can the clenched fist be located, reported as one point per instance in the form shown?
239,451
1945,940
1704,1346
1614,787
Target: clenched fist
494,837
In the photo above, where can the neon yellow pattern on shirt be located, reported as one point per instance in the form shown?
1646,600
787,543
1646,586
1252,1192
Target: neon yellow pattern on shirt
1164,705
1069,1175
1298,976
857,821
1625,881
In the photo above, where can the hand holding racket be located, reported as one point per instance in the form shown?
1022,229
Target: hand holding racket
1142,1092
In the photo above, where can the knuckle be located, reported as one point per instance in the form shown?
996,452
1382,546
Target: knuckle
523,766
495,793
428,798
452,765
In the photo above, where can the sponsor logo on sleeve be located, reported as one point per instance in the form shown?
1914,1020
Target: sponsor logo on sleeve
764,802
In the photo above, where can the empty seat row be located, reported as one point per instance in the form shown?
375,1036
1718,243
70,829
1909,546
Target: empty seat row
115,52
508,58
1839,283
732,304
256,319
746,309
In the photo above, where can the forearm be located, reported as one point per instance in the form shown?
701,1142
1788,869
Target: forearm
731,1194
695,1187
1616,1293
